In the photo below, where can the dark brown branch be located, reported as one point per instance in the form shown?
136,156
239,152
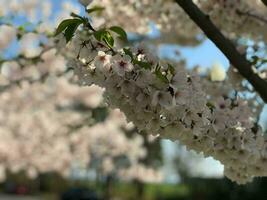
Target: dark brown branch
239,61
265,2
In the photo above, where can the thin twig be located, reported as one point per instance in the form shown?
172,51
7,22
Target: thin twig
252,15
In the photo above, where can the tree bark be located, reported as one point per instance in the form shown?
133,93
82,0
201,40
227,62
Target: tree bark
238,60
265,2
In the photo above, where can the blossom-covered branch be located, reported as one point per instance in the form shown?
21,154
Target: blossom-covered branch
167,101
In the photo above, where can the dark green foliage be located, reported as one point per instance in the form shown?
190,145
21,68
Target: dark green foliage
69,26
119,31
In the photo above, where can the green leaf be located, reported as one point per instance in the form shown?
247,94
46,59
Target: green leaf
74,15
108,39
119,31
264,61
100,114
210,105
142,64
99,34
105,36
95,9
160,75
21,28
69,32
128,52
66,23
171,69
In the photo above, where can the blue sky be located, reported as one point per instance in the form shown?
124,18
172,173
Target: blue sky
204,54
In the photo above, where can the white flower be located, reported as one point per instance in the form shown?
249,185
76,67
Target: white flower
217,72
102,61
218,122
128,88
142,100
11,70
234,77
222,103
144,77
234,141
179,80
181,96
172,131
248,141
153,125
7,34
162,98
141,49
30,45
122,64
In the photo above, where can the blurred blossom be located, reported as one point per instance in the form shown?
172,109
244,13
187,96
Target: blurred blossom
7,35
217,72
29,45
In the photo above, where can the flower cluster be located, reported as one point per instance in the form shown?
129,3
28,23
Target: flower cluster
53,124
235,18
166,100
38,123
48,131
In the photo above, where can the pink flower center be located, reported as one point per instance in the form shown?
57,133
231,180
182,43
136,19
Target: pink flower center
177,94
122,64
140,51
102,58
222,106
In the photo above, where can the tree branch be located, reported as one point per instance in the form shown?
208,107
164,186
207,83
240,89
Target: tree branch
239,61
264,2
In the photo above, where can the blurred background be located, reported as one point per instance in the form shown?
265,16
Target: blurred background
61,141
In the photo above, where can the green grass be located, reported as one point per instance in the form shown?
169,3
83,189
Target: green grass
129,191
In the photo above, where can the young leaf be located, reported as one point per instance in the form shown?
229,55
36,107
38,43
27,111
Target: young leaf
67,22
160,75
142,64
128,52
171,69
100,114
119,31
99,34
210,105
95,9
264,61
69,32
78,16
105,36
108,39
